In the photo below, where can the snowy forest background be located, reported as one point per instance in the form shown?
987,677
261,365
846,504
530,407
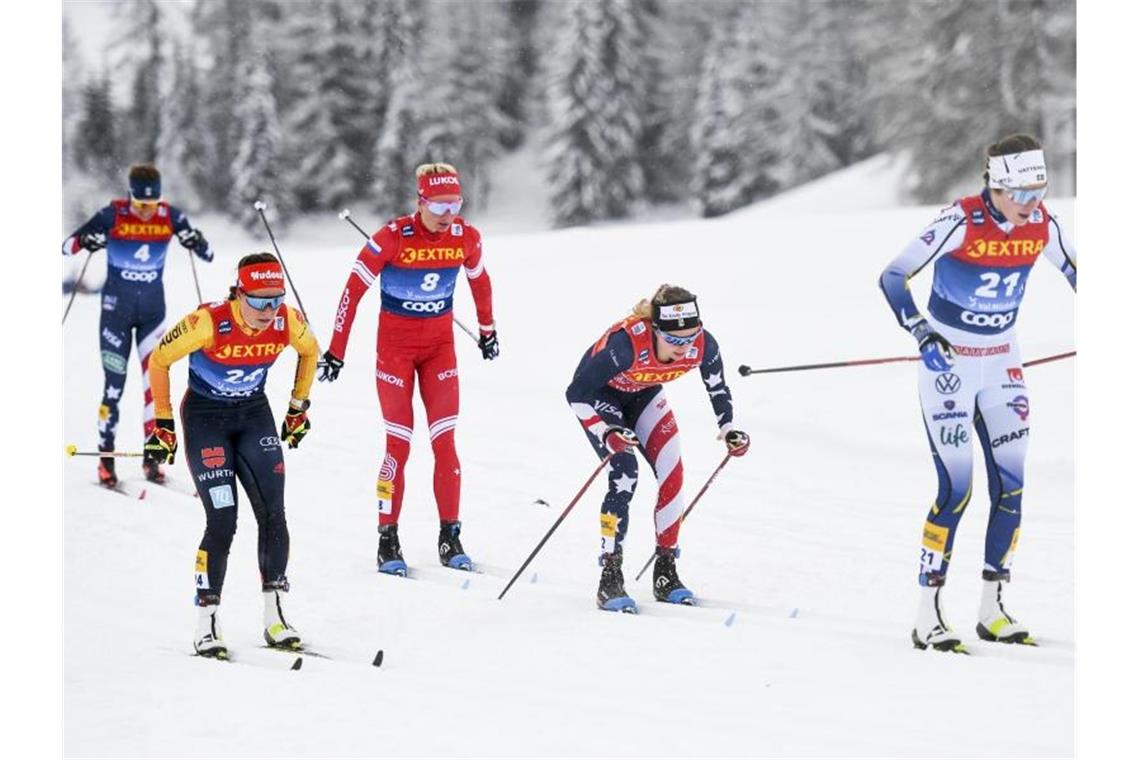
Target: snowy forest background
703,107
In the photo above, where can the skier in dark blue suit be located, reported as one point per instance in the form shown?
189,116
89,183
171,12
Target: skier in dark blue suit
135,231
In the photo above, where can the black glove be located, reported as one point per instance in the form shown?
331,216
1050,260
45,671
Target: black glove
196,242
489,344
296,424
937,353
162,444
93,241
330,367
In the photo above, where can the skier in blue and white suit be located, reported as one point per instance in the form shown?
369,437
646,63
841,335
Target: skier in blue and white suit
982,248
136,232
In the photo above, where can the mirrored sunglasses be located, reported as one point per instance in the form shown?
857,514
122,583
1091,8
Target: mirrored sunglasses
679,340
1022,196
439,208
144,203
258,303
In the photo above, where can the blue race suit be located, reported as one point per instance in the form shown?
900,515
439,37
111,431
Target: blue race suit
133,298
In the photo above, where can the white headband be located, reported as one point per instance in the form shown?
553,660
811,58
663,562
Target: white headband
1017,169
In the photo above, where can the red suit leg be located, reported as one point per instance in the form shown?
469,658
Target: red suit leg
395,379
657,429
439,388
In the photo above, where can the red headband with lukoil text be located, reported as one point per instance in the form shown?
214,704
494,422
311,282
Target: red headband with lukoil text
435,185
261,275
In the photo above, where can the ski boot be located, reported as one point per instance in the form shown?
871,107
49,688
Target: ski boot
107,476
929,628
450,549
667,587
153,472
611,587
389,558
208,640
994,623
278,633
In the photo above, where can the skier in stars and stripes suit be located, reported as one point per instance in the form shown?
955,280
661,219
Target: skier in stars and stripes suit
618,397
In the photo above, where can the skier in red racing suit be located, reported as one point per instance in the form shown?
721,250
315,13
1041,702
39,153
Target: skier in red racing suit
417,259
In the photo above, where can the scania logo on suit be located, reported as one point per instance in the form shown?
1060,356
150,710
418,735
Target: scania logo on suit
138,275
430,307
988,320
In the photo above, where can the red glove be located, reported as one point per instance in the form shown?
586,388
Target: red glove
162,443
737,442
618,439
296,424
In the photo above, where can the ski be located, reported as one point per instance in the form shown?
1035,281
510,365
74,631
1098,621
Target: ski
430,574
621,604
1022,639
130,490
299,649
953,647
177,488
227,656
306,651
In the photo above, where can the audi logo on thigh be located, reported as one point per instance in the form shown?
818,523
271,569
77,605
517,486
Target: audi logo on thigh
138,275
432,307
988,320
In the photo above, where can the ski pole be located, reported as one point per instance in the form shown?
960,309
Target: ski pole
745,370
75,290
194,269
346,215
73,451
1052,358
260,206
692,504
557,522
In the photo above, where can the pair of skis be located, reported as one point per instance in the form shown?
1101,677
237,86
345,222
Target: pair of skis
297,655
135,490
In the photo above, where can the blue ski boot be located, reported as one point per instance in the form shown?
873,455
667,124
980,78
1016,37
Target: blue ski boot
611,588
450,549
389,558
667,587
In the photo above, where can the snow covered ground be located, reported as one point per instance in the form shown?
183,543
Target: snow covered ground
808,545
